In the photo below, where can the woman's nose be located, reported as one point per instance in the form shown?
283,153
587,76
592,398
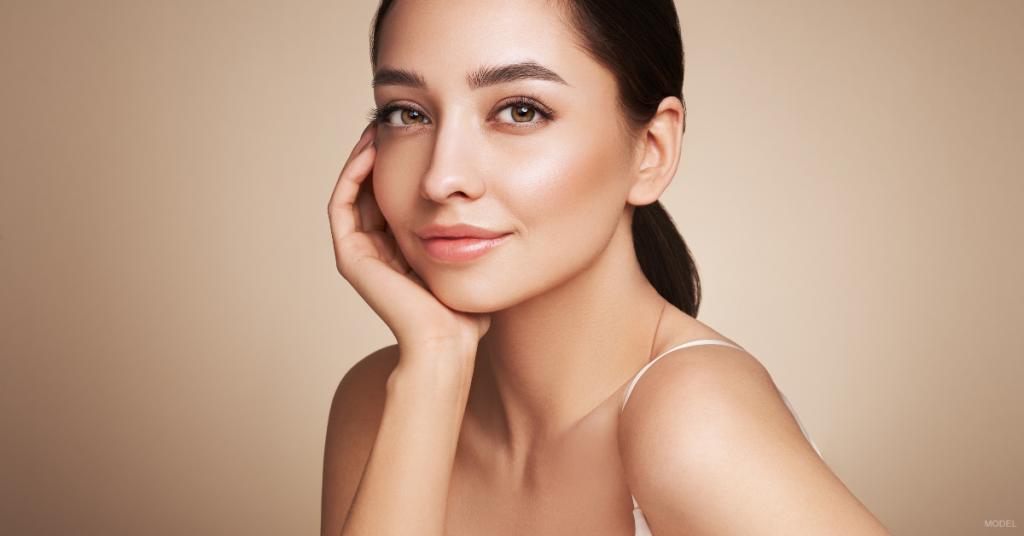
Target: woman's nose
454,171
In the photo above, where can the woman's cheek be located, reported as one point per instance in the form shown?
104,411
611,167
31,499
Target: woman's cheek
534,177
571,181
396,184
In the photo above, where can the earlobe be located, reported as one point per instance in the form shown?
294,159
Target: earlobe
662,144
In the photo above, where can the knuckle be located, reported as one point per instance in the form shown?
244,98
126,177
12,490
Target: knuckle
338,206
350,250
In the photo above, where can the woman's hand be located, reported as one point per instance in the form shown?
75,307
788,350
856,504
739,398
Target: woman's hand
403,488
369,258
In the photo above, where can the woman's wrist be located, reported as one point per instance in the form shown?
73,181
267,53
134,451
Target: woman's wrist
439,371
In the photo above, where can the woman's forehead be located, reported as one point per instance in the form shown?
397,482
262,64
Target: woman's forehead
446,38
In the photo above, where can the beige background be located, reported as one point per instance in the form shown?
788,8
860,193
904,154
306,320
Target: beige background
172,326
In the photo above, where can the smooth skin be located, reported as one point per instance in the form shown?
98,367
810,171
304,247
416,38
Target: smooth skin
498,410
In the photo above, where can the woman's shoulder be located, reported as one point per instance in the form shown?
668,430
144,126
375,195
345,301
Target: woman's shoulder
707,443
369,375
359,399
700,386
693,363
351,429
707,382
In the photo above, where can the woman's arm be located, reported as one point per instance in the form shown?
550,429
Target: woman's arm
391,444
710,448
351,430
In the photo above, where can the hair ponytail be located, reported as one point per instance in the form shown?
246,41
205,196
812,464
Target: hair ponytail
664,257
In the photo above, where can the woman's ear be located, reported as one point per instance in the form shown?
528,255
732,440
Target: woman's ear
661,148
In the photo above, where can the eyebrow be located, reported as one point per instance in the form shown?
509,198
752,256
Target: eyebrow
513,72
398,77
484,77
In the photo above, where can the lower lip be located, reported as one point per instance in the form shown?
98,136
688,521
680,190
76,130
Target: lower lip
461,249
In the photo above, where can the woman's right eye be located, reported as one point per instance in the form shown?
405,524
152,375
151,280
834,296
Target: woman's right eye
404,117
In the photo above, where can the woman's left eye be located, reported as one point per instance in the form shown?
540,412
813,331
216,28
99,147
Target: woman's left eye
518,113
403,117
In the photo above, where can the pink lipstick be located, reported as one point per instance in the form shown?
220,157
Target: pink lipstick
460,243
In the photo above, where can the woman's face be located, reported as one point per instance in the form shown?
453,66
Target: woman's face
493,117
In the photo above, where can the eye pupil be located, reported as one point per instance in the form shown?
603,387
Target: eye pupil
523,114
411,116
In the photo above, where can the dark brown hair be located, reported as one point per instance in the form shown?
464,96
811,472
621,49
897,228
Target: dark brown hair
640,42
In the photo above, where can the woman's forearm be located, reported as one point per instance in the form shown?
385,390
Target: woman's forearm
404,487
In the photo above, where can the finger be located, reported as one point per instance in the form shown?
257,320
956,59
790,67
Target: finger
390,252
341,208
415,278
357,207
356,217
381,288
371,216
386,248
401,264
369,134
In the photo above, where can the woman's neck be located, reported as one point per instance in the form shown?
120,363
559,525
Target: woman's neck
546,363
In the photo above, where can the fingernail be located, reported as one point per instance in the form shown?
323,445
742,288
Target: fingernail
373,143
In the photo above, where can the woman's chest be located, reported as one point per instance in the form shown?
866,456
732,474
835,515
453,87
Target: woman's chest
574,485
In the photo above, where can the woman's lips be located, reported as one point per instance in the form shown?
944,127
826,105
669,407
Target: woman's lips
461,249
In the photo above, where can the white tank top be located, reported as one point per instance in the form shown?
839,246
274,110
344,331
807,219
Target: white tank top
638,516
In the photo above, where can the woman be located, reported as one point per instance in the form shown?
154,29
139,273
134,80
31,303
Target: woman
501,215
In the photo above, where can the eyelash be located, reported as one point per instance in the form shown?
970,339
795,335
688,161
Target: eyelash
380,115
546,114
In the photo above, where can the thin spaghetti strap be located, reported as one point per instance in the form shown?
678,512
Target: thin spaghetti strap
800,424
687,345
720,343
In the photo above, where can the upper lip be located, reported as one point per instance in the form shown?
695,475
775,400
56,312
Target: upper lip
460,230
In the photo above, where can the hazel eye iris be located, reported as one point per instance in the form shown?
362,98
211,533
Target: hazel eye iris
523,114
411,117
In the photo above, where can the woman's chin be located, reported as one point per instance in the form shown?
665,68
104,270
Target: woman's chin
468,298
467,302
